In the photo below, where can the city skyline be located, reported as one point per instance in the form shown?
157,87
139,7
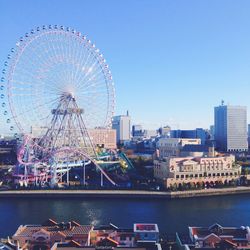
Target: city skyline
172,62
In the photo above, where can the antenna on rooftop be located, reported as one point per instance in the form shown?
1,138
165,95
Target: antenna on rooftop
222,102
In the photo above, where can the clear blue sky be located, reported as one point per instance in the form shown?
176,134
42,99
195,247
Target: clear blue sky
172,61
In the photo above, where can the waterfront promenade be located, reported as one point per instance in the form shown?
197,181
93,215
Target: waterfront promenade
123,193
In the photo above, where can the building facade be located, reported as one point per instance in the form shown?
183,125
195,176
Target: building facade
178,170
230,128
122,125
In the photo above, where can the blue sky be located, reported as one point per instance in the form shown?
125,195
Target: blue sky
172,61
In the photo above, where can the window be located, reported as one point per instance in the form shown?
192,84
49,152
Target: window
177,176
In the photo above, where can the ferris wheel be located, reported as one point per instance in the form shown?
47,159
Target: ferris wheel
51,62
56,79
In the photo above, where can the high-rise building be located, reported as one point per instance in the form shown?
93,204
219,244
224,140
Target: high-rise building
230,127
211,131
248,135
121,124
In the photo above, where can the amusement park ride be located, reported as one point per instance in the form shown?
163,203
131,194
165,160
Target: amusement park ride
56,78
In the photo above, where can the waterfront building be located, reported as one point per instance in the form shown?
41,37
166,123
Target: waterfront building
215,237
72,235
230,128
44,236
172,146
121,124
176,171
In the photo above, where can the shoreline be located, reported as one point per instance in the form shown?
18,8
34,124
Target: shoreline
122,193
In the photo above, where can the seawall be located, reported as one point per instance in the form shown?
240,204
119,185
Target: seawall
121,193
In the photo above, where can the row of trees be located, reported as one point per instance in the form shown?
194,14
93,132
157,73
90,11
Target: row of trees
204,185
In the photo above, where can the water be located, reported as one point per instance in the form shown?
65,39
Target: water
170,215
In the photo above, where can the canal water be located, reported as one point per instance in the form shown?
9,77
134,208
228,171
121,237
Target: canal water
170,215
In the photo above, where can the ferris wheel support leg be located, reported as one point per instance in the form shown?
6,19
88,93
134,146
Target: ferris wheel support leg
101,179
54,177
67,176
84,174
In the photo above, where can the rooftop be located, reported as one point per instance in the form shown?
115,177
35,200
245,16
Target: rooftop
143,227
234,232
52,227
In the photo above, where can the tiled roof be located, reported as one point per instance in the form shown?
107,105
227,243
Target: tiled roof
201,232
28,231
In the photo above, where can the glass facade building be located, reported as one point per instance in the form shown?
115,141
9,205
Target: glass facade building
230,128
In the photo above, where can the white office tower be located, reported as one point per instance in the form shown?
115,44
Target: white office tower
121,124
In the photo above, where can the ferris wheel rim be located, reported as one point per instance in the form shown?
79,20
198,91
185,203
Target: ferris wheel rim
24,43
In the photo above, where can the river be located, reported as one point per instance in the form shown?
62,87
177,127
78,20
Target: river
170,215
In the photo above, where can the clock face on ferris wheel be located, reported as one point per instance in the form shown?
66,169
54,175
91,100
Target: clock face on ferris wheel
47,63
